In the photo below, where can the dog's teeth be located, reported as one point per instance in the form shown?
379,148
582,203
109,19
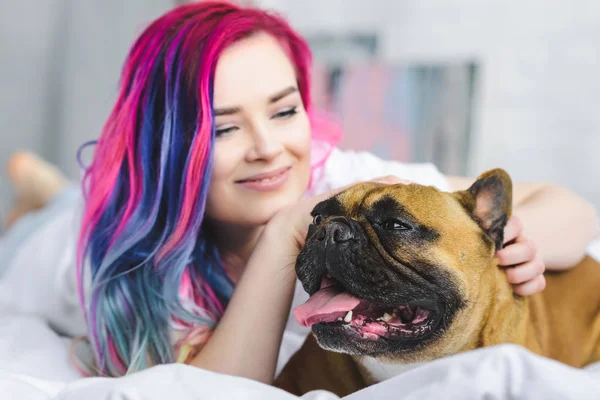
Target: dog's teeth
386,317
407,314
339,319
348,317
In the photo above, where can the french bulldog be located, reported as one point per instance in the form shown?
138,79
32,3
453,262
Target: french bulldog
402,274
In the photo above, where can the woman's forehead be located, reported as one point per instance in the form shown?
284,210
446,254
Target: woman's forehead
251,70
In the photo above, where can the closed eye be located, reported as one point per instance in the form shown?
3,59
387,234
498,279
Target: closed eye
225,130
286,113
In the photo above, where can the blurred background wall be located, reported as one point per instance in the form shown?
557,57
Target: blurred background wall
60,62
538,93
531,78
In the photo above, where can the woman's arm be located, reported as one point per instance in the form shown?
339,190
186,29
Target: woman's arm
247,339
560,223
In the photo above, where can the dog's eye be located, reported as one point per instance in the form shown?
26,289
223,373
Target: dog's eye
395,225
317,219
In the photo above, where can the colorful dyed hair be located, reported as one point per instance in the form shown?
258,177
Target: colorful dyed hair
146,188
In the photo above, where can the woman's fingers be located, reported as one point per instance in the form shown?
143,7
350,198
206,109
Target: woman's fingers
533,286
525,272
513,229
391,180
521,251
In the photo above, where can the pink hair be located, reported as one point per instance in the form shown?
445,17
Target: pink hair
147,185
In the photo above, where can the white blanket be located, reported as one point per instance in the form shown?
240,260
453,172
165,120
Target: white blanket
34,365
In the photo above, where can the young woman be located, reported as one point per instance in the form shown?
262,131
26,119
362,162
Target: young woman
198,198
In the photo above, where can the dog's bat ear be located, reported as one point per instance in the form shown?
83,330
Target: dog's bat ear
489,201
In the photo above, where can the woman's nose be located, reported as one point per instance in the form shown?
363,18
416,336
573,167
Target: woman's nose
266,144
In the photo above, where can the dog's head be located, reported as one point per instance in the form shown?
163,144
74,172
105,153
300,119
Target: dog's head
397,271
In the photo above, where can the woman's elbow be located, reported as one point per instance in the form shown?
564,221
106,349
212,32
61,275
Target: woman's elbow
576,206
581,220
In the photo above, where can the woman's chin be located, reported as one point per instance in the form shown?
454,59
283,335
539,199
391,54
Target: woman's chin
252,209
262,217
265,211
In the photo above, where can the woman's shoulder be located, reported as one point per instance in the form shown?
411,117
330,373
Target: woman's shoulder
345,167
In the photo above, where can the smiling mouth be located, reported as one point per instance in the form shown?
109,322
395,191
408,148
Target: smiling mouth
334,307
267,177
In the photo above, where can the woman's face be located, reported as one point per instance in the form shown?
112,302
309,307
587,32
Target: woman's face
262,150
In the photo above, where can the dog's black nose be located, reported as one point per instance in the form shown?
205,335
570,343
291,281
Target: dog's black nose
336,231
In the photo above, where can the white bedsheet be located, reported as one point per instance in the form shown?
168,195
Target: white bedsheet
34,365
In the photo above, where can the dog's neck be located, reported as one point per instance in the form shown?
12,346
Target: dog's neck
504,308
497,306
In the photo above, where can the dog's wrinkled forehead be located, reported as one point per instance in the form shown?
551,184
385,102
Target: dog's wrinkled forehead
425,203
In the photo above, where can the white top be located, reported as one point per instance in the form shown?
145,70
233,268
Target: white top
347,167
41,279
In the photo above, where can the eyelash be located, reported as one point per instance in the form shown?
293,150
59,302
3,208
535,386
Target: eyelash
220,132
285,114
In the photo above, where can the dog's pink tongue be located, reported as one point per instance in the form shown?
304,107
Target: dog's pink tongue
326,305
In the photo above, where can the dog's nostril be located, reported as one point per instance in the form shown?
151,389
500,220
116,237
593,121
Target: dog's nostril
340,235
338,232
321,234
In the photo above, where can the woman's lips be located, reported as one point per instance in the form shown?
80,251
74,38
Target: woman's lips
268,181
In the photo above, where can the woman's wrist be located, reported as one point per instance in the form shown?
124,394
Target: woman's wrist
262,296
274,256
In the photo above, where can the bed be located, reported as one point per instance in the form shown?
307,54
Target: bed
34,365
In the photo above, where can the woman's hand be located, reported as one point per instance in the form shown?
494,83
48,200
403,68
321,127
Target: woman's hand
523,265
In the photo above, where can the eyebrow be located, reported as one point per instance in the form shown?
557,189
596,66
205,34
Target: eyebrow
280,95
272,99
